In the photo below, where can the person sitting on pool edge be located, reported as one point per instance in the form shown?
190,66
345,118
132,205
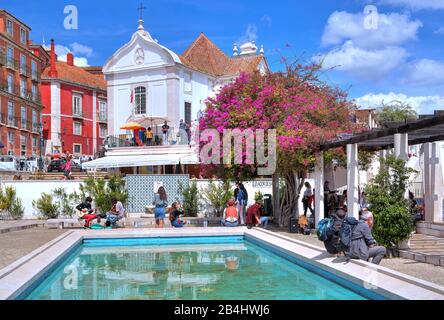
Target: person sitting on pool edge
175,213
116,213
86,212
254,216
231,218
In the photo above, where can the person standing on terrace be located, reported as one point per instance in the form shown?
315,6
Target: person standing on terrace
165,130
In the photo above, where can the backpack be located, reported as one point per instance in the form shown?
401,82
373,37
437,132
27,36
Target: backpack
346,232
323,227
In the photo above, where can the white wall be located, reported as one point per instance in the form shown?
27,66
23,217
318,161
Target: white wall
32,190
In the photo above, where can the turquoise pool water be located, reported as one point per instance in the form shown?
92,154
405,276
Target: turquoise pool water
226,268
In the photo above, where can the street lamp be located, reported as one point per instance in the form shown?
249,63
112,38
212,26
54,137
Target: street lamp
40,162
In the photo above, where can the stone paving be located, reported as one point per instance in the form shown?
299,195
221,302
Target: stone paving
16,244
13,225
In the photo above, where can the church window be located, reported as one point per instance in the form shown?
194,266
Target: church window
187,112
188,84
140,100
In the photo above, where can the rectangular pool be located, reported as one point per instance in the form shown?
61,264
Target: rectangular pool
186,268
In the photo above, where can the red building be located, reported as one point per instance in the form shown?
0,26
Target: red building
21,65
75,107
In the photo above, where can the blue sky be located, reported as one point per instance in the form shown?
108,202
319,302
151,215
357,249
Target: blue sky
400,57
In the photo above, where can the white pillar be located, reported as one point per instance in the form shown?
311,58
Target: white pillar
352,181
319,187
402,146
431,161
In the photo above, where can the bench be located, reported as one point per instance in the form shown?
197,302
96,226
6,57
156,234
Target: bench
61,223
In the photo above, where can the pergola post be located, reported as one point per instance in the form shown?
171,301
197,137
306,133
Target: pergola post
352,181
319,187
430,198
402,146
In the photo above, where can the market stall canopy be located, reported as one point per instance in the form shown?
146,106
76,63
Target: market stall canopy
131,126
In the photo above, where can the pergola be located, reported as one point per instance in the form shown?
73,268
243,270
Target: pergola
427,130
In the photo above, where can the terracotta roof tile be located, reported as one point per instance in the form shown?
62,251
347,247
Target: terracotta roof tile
205,56
77,75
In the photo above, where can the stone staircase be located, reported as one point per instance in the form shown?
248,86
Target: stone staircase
424,248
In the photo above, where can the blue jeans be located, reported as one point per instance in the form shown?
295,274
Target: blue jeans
264,222
159,213
176,224
112,218
226,223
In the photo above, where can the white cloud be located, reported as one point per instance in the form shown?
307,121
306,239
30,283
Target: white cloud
392,30
416,4
365,64
425,72
251,34
439,31
267,20
81,49
62,52
422,104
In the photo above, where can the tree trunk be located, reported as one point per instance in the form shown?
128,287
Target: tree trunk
289,199
276,198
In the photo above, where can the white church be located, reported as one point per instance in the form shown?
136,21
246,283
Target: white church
145,78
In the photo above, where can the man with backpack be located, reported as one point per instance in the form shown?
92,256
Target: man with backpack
363,246
333,244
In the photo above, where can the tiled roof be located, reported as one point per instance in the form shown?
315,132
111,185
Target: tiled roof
205,56
78,75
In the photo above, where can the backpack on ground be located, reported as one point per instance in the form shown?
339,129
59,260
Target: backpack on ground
323,227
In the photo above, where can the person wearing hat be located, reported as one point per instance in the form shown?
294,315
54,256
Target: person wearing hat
231,218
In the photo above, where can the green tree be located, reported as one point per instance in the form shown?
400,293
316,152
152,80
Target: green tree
190,195
10,204
395,111
386,194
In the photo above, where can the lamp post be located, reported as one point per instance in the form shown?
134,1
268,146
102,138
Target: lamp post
40,162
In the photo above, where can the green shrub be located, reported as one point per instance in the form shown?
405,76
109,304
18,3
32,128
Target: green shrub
66,202
10,204
258,196
103,192
218,195
386,195
46,207
190,195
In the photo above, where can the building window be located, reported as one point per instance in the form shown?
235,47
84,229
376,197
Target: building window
23,64
34,121
23,88
34,92
9,27
77,128
23,117
11,113
77,149
11,138
102,111
10,83
10,57
77,105
22,36
188,83
187,112
23,144
103,131
34,70
140,100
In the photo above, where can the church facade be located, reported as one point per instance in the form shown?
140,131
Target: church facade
145,78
